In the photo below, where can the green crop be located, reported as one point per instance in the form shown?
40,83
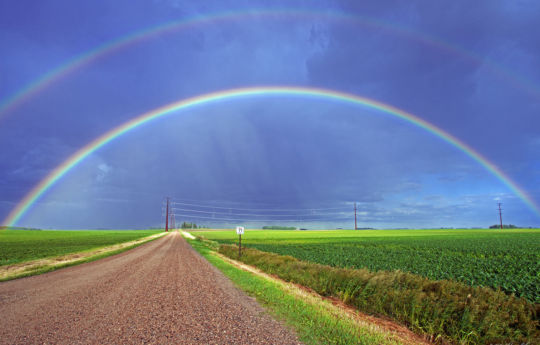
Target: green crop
505,259
22,245
442,310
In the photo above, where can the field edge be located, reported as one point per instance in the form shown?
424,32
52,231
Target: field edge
40,266
315,320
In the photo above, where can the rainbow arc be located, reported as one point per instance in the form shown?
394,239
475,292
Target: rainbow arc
262,91
113,46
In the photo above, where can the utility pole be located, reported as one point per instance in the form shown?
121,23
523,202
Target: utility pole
355,227
167,217
500,215
173,222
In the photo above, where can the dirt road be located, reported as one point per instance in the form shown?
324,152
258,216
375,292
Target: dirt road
162,292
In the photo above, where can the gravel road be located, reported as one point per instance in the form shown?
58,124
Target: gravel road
162,292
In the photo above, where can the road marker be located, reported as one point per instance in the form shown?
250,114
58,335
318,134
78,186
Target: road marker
240,232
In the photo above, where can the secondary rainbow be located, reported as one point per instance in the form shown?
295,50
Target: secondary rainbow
262,91
93,55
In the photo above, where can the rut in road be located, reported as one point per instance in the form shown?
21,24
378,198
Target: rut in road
161,292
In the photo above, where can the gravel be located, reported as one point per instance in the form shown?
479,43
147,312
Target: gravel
162,292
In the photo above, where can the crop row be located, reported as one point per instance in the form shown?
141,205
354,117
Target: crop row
509,261
443,309
22,245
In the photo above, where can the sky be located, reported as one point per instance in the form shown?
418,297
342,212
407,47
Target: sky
70,71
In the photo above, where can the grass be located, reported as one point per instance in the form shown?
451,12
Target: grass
442,309
313,322
18,246
505,259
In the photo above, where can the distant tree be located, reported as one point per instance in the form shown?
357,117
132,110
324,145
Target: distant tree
505,226
186,225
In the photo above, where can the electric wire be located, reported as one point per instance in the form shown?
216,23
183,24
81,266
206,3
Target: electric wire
254,215
259,209
253,220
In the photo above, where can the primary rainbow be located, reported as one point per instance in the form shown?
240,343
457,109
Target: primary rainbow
24,205
87,58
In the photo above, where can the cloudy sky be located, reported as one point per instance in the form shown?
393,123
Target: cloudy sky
71,71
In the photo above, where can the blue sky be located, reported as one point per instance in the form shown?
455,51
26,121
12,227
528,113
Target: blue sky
471,69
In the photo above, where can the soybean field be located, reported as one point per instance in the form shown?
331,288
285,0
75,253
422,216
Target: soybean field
505,259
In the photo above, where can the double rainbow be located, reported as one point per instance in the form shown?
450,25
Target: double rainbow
30,199
112,46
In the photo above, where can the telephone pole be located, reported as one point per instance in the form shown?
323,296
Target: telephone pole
167,217
355,227
500,215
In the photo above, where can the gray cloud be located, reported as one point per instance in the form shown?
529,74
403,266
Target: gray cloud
275,151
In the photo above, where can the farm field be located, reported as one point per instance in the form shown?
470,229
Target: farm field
508,259
24,245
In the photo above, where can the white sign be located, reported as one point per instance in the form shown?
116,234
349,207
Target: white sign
240,230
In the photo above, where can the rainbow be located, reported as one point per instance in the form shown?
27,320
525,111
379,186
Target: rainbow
87,58
24,205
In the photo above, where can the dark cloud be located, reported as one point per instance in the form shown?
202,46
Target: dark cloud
471,69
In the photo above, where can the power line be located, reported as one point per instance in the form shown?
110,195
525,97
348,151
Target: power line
256,220
258,209
355,227
500,215
223,203
167,217
255,215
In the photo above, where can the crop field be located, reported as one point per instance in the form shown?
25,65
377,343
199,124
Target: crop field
24,245
506,259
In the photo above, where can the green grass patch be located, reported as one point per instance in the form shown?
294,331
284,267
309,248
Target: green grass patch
48,268
18,246
443,309
312,322
505,259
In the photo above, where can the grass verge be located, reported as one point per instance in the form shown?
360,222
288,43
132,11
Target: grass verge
315,322
443,309
34,267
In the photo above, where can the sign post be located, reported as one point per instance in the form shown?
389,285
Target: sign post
240,232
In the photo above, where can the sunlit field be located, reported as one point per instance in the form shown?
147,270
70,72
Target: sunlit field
505,259
24,245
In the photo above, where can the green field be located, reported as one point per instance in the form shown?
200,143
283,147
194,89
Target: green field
315,321
24,245
509,259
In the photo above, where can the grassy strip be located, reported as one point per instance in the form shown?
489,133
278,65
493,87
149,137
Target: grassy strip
313,322
51,265
442,309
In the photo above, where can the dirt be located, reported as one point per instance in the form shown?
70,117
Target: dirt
162,292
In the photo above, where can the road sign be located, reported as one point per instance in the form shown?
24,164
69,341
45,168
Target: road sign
240,230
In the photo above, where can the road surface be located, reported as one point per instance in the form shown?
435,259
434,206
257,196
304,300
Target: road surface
162,292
